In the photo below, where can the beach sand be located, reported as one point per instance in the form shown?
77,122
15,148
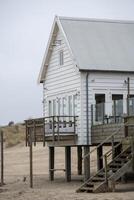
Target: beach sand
17,178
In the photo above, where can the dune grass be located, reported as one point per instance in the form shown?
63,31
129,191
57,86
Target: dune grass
14,135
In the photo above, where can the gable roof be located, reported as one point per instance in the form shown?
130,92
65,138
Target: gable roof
100,45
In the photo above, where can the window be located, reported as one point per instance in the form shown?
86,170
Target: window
99,107
75,105
117,108
50,108
131,105
59,106
64,106
70,105
54,107
61,58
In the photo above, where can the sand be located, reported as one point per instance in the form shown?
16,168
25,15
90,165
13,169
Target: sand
17,178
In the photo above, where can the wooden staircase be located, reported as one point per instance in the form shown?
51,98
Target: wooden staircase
104,180
117,161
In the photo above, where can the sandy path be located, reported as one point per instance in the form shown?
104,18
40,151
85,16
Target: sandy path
17,166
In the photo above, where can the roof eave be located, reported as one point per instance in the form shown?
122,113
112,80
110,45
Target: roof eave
40,78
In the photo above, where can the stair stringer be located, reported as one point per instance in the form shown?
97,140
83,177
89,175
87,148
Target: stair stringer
103,187
121,171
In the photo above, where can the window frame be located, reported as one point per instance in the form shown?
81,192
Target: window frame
61,58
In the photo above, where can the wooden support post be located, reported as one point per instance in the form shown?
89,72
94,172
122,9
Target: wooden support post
79,156
99,157
34,132
26,134
128,95
132,151
86,163
126,126
114,102
53,129
106,170
68,163
31,159
2,158
112,144
51,163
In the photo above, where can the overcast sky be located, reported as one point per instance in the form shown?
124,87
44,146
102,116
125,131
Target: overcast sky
24,30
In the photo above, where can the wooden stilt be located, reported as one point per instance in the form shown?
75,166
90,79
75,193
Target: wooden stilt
86,163
132,149
31,160
2,158
68,163
99,158
51,163
79,156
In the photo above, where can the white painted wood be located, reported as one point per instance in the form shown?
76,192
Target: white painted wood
102,83
61,81
66,80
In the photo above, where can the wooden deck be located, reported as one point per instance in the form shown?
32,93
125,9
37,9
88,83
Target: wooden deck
54,129
100,132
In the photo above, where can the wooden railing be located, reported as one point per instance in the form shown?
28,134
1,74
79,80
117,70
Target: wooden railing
109,139
50,126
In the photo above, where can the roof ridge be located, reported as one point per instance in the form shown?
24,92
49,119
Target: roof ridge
96,20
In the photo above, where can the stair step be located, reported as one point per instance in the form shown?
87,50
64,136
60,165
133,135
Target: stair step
86,189
112,170
124,156
117,164
121,160
101,175
98,179
90,184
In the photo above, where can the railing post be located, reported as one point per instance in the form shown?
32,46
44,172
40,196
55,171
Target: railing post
2,158
34,131
53,123
114,111
44,131
74,125
92,114
58,128
128,95
106,170
126,126
103,107
31,159
26,133
112,144
132,150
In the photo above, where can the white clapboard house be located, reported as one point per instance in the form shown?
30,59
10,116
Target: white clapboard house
85,72
87,75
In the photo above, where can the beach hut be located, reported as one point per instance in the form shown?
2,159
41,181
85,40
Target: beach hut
87,75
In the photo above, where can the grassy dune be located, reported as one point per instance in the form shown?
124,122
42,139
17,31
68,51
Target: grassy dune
14,134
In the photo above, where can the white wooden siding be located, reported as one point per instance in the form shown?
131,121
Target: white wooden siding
102,83
61,81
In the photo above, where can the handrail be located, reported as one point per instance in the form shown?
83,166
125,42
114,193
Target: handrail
104,141
48,117
110,151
